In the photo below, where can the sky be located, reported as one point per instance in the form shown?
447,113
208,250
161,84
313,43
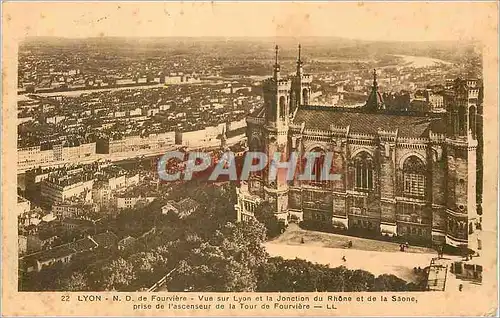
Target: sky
375,21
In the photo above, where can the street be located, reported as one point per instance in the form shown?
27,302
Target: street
400,264
377,257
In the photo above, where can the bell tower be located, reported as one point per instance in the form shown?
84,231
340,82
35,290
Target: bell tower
277,118
462,102
301,86
276,97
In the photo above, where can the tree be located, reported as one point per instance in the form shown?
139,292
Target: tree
203,270
268,274
265,215
388,282
46,278
243,241
216,209
279,275
333,279
148,267
360,280
118,275
227,261
76,282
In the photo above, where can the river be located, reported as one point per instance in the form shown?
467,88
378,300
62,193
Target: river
421,61
88,91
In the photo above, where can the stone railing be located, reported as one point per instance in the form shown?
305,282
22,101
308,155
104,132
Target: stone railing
437,137
316,132
362,136
413,220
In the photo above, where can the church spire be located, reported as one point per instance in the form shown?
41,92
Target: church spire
299,63
375,100
276,64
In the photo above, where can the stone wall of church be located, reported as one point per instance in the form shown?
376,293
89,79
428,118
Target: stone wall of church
339,162
339,206
384,209
438,166
379,208
295,199
388,211
439,220
387,174
438,176
387,162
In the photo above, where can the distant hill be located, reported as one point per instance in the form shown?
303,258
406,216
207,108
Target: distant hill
262,47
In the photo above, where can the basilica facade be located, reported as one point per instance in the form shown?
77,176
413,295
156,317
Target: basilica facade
413,175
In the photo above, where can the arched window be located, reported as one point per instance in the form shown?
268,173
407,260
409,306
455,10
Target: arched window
472,120
254,144
293,101
318,164
363,172
282,106
305,96
461,121
413,177
273,108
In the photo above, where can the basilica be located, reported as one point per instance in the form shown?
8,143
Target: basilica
407,174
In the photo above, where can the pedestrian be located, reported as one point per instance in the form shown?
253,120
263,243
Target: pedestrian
343,258
302,240
460,287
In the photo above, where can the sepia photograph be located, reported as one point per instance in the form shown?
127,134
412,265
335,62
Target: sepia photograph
313,153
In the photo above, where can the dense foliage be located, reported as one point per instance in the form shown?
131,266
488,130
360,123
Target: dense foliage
264,215
205,251
280,275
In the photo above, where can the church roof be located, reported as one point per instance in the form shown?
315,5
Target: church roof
408,125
